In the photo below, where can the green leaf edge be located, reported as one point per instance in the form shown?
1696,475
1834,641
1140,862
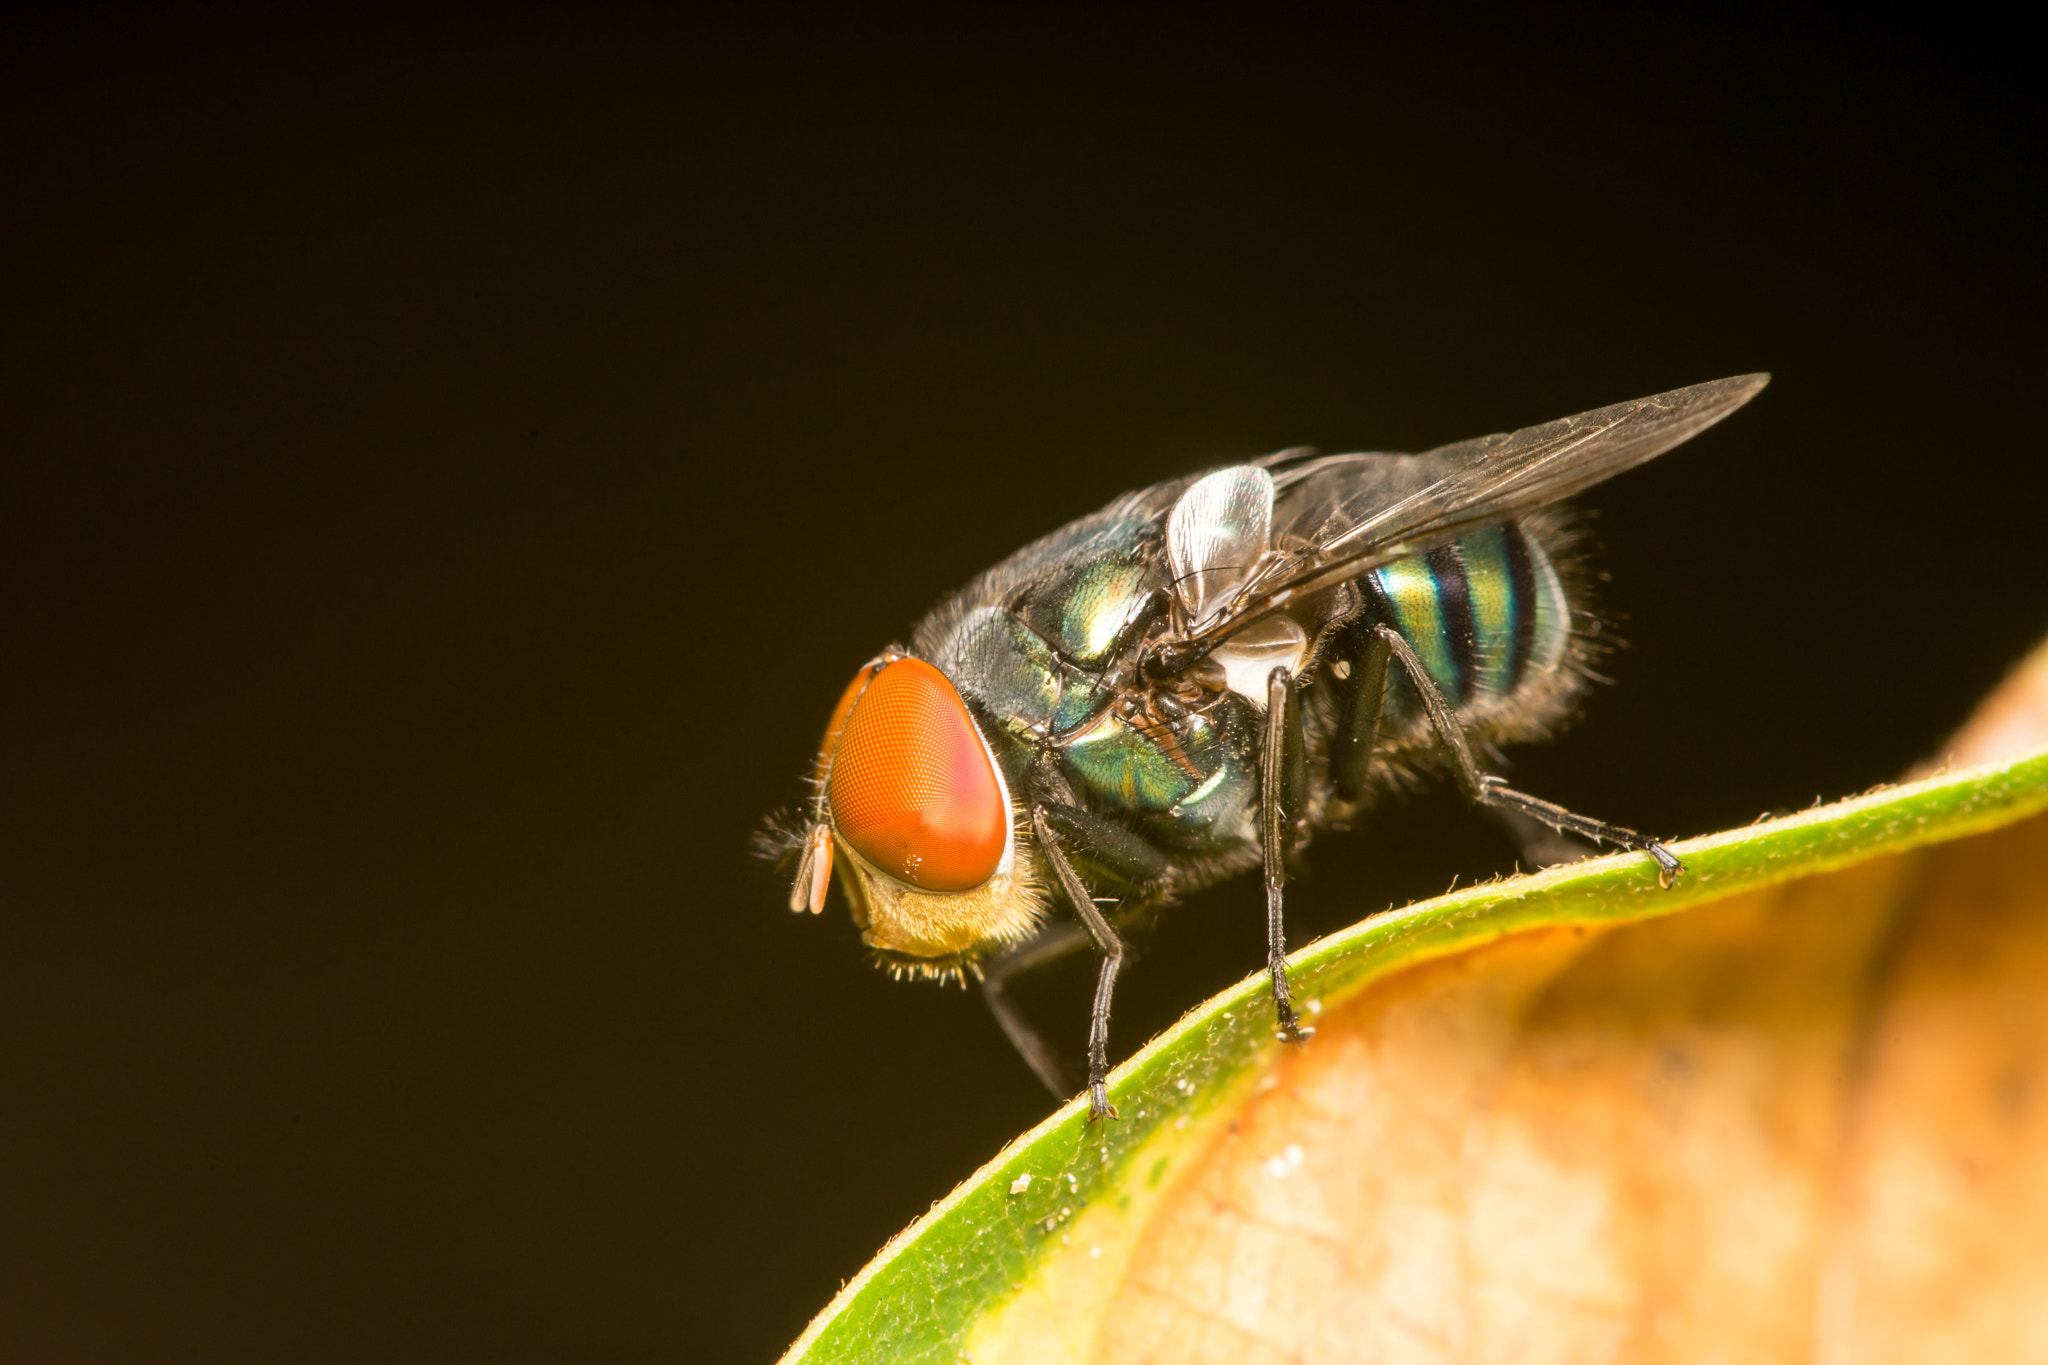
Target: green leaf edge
922,1293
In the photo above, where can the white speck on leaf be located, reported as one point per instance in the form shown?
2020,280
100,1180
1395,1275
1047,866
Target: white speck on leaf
1021,1183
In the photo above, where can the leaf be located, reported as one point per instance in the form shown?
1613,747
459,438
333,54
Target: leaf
1796,1108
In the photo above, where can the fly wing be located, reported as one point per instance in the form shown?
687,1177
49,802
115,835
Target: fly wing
1340,516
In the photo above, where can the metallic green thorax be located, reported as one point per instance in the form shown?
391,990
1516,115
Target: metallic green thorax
1486,614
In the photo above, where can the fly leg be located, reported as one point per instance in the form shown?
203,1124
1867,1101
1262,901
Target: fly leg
1540,845
1283,775
1122,857
1483,790
1112,959
1049,944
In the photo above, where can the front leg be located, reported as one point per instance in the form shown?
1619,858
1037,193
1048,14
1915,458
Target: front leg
1048,945
1112,960
1480,789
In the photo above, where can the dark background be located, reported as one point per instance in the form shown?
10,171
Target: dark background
454,459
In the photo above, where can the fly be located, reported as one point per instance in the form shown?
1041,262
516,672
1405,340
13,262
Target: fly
1194,681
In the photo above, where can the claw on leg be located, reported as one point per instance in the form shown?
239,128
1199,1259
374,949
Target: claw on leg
1668,866
1482,789
1099,1106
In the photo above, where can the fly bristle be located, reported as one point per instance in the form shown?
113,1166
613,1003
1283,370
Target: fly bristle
944,970
781,836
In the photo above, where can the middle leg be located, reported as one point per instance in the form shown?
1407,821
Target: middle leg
1283,775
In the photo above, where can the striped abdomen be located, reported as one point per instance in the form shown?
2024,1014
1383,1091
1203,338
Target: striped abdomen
1486,614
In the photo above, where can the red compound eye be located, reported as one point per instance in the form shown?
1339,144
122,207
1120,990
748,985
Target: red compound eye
912,789
838,721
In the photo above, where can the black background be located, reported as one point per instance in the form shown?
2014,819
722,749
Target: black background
453,460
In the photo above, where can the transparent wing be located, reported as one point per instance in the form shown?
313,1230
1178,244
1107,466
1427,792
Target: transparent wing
1338,516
